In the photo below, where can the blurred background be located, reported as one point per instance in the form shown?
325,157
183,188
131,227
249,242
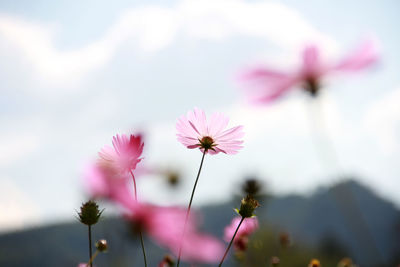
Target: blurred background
75,74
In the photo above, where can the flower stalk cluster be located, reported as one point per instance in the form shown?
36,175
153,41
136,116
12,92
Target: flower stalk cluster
175,228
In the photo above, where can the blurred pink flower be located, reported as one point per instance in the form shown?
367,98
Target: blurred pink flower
102,180
268,84
83,265
248,226
165,226
125,153
194,131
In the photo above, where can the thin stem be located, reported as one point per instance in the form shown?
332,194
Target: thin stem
92,258
230,244
134,185
90,244
140,231
144,252
190,205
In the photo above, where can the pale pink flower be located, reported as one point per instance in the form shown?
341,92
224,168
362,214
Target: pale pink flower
102,180
125,153
248,226
165,226
195,131
267,84
83,265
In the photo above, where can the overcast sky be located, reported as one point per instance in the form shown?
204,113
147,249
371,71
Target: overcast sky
75,74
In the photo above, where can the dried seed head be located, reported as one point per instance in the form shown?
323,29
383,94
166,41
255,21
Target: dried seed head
247,207
89,213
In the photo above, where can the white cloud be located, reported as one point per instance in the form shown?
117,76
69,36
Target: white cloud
17,209
382,121
153,28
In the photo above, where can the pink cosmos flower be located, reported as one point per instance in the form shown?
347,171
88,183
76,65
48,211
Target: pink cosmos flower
165,226
125,153
102,180
248,226
194,131
268,84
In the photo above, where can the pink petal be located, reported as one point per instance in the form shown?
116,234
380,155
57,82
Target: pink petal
195,126
264,85
363,56
311,59
248,226
218,122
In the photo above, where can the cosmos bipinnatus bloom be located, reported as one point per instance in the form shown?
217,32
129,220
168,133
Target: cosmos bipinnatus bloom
264,84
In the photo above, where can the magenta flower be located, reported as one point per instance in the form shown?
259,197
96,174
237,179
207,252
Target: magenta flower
248,226
194,131
125,153
165,226
104,181
268,84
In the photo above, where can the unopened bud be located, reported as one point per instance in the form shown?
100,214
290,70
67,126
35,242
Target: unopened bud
252,187
284,239
90,213
173,177
346,262
314,263
167,262
275,261
247,207
101,245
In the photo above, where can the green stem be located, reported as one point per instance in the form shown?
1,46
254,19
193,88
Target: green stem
230,244
90,244
144,252
92,258
190,205
140,231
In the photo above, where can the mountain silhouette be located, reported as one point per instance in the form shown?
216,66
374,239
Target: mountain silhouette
347,219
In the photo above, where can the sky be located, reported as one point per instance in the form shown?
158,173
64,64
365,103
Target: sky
74,75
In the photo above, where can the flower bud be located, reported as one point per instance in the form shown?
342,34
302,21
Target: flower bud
173,177
284,239
314,263
247,207
101,245
275,261
252,187
167,262
90,213
346,262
